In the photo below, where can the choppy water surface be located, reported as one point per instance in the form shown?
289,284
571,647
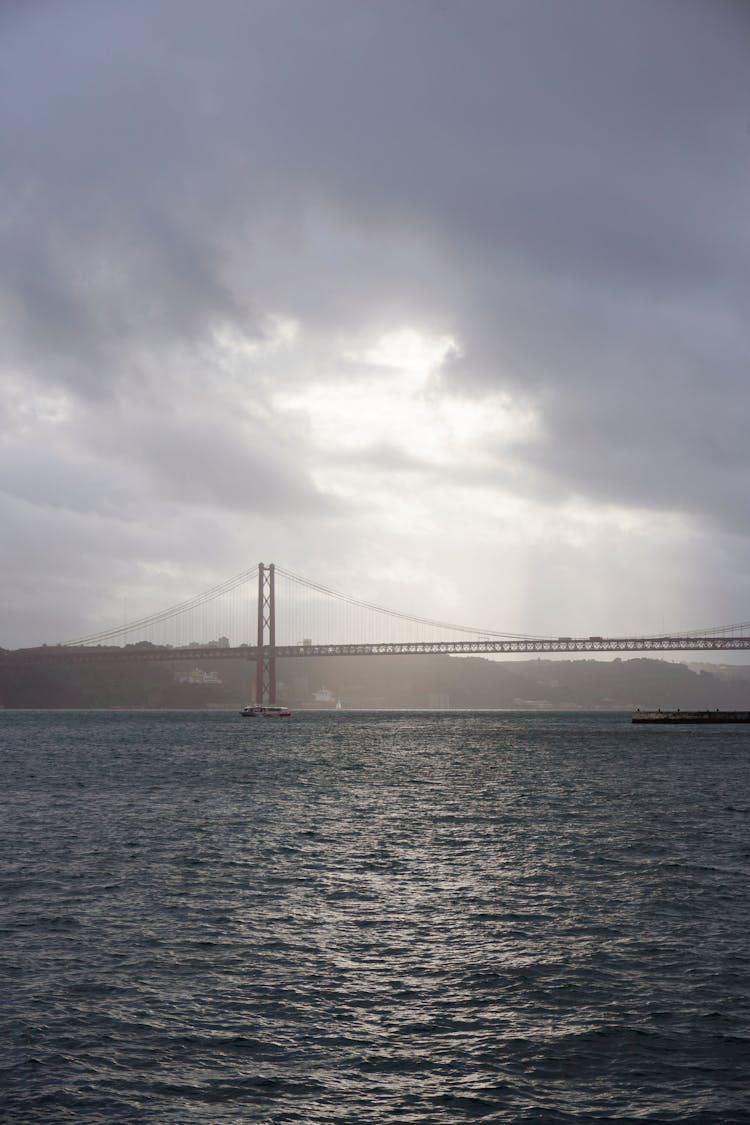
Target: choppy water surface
373,918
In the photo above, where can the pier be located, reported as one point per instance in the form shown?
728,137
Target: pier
678,716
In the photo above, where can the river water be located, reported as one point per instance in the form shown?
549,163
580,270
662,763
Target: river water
373,917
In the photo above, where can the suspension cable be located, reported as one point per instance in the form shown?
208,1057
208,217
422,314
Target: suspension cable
232,584
172,611
362,604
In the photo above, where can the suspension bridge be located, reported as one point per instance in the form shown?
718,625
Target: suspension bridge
268,613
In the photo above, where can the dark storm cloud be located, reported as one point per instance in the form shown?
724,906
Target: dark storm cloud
599,147
561,188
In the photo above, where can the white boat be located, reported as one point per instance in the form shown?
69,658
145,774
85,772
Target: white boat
264,711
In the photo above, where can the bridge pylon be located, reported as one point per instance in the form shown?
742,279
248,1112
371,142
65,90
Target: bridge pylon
265,665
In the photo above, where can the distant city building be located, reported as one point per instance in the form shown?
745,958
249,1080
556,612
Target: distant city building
197,676
222,642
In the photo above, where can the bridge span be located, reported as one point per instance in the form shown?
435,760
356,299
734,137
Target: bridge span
534,646
266,651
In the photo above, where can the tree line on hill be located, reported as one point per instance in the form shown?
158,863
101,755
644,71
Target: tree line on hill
380,682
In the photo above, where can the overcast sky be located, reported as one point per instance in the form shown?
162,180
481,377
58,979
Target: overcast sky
444,304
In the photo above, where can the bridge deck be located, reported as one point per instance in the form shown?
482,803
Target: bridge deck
417,648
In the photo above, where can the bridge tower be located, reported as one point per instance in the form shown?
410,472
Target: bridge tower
265,664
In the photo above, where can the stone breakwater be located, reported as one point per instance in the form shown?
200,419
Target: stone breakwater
691,716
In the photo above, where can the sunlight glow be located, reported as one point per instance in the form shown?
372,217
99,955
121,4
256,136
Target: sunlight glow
394,401
407,351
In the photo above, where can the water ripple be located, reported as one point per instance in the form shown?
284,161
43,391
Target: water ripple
411,918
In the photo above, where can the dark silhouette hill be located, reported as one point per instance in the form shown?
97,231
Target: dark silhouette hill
380,682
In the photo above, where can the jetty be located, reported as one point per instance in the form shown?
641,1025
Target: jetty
678,716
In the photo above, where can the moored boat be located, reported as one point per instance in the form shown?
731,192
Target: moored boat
265,711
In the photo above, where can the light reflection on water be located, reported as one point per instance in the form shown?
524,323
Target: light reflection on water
409,917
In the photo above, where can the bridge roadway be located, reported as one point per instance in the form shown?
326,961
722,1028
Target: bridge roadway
533,646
